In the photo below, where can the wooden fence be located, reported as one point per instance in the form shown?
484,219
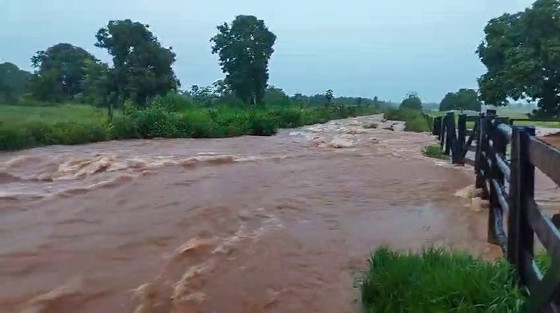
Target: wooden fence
504,159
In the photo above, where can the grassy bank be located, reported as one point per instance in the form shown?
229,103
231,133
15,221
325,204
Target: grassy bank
437,281
415,121
25,127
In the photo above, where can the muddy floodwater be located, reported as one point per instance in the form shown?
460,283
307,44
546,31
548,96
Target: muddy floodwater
249,224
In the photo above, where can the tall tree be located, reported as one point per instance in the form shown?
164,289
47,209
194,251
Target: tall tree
142,68
522,54
13,82
411,102
329,95
244,49
59,72
464,99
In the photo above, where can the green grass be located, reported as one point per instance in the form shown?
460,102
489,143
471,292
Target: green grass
434,151
16,115
538,124
512,114
437,281
166,117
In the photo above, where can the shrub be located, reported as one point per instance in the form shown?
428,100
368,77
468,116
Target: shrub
434,151
12,139
288,117
155,122
172,102
262,124
416,123
438,281
124,127
72,133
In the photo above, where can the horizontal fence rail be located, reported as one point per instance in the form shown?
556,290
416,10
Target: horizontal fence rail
504,158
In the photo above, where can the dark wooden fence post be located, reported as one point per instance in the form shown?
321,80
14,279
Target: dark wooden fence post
450,135
527,178
497,148
442,132
458,153
514,218
480,144
437,126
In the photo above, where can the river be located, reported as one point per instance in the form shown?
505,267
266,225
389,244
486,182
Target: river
248,224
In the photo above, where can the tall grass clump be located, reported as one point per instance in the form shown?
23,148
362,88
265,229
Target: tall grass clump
435,281
414,120
434,151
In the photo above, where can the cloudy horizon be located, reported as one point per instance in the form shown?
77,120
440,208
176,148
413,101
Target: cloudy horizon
356,47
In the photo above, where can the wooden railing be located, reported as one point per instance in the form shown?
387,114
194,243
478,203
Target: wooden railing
504,159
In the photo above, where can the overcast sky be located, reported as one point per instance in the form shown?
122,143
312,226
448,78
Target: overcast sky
355,47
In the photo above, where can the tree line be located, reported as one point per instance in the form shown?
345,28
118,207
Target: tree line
521,52
142,69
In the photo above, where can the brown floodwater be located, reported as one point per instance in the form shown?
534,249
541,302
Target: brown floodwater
248,224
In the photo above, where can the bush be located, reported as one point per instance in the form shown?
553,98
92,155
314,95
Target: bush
41,134
172,102
262,124
416,123
434,151
438,281
393,114
124,127
12,139
415,120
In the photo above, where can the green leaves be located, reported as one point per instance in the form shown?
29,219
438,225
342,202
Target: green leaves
411,102
142,67
522,54
464,99
13,82
244,49
60,71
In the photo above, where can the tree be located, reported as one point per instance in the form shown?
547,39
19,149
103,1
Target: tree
141,66
98,87
13,82
522,54
411,102
244,49
376,102
202,95
275,96
464,99
329,97
59,72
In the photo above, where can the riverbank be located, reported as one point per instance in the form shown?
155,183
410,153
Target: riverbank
26,127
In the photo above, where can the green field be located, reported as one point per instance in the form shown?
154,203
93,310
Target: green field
20,116
512,114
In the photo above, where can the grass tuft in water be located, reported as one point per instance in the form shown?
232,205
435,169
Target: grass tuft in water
437,281
434,151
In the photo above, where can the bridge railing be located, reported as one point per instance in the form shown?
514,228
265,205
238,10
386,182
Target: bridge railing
504,159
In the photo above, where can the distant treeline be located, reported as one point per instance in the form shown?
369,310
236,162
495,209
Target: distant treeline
141,69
